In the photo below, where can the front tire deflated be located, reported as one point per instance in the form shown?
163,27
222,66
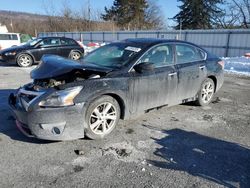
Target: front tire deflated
102,116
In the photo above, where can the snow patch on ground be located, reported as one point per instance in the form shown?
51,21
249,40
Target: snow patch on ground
237,65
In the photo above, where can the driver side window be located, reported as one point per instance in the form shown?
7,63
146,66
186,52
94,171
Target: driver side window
159,56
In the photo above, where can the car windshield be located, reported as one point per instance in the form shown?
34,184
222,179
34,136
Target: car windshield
33,42
114,55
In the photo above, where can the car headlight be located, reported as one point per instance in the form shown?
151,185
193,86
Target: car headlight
10,53
61,98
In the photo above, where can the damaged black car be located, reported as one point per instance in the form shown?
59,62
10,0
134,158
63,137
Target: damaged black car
121,80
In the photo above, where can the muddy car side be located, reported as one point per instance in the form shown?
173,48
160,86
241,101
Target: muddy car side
103,95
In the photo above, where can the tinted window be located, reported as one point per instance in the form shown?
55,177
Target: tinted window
159,56
187,53
8,37
50,42
68,42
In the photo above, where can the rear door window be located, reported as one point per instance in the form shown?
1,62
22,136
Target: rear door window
69,42
188,53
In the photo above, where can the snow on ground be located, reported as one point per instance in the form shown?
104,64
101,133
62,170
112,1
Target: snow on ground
237,65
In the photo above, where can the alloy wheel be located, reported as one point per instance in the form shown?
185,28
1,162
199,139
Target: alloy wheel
103,118
207,92
24,60
75,56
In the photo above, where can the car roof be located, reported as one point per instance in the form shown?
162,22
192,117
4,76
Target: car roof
155,41
54,37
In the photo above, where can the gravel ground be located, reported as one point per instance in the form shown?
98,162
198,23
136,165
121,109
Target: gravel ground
180,146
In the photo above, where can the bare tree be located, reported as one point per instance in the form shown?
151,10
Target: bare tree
243,10
228,18
154,16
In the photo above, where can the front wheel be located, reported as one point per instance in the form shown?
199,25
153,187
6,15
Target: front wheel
102,116
75,55
24,60
206,92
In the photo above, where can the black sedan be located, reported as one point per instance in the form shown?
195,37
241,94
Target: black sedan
33,51
68,100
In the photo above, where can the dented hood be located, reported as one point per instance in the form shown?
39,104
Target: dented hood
53,66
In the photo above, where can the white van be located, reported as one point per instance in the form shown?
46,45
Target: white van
13,39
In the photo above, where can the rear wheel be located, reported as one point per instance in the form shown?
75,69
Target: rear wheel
75,55
24,60
102,116
206,92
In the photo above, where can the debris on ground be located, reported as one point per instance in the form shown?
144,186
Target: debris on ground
130,131
208,117
174,119
78,168
217,100
79,152
120,152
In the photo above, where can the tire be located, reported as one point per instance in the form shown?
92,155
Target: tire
206,92
102,116
24,60
75,55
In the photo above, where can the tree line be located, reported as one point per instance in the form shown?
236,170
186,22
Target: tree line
193,14
133,15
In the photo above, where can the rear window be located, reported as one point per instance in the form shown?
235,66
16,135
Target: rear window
188,53
68,42
8,37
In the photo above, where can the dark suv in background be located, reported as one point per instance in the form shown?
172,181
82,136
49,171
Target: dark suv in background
33,51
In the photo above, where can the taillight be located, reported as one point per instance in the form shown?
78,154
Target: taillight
222,63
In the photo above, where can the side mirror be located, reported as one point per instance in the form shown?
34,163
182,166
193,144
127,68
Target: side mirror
144,67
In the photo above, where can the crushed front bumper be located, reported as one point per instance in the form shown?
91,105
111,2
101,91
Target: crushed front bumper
64,123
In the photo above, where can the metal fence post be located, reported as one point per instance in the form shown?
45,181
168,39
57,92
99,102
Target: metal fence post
117,35
158,34
91,39
228,42
136,34
185,38
103,37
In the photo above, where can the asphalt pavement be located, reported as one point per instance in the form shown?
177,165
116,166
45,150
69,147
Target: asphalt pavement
180,146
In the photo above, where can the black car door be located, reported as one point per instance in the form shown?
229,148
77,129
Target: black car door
154,88
66,46
46,46
191,67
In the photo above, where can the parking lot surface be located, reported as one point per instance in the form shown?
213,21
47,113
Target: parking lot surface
180,146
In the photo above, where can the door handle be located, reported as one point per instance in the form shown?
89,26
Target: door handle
202,67
172,74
